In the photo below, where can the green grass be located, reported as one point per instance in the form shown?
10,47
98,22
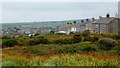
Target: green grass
62,60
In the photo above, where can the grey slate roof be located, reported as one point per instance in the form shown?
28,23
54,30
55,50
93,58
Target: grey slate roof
104,20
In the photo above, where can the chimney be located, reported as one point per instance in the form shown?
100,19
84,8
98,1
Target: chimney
70,23
82,21
108,15
93,19
100,16
74,22
116,15
87,19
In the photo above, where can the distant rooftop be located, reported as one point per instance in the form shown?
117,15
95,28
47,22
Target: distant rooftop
104,20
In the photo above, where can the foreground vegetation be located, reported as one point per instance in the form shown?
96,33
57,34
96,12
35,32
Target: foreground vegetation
62,50
58,60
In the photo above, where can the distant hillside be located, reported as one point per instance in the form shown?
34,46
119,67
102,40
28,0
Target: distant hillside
37,24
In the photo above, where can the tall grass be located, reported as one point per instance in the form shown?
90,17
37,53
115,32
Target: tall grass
58,60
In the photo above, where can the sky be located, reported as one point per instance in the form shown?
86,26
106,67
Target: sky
13,12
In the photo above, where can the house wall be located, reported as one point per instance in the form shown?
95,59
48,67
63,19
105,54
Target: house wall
95,28
89,27
113,26
119,9
100,28
119,26
82,28
103,28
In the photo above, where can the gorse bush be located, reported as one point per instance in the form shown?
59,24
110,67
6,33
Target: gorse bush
34,50
23,42
87,48
88,38
71,33
77,38
9,43
67,50
94,38
6,37
86,33
64,41
107,43
116,50
39,40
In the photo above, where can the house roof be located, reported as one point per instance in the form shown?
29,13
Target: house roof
104,20
87,22
77,25
70,25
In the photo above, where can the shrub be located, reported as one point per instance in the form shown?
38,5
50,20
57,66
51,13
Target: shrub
36,34
88,38
88,48
52,32
64,41
40,40
94,38
77,38
9,43
118,42
6,37
60,33
35,50
71,33
67,50
23,42
106,43
86,33
117,36
20,36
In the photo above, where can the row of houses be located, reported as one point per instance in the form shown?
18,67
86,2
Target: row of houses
12,32
106,24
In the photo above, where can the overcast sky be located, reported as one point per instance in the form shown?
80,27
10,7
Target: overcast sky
51,11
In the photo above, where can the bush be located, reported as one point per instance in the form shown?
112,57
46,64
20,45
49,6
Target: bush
71,33
64,41
35,50
88,38
39,40
23,42
118,42
86,33
88,48
106,43
117,36
94,38
6,37
9,43
36,34
52,32
77,38
67,50
60,34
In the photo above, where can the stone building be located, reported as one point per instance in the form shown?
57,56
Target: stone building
106,25
119,9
